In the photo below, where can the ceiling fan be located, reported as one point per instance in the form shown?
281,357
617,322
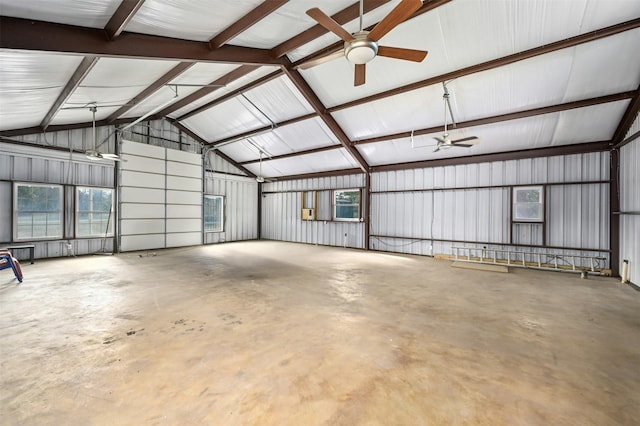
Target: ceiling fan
260,178
362,46
94,154
445,142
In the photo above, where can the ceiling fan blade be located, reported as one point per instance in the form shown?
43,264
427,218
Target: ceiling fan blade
440,140
470,138
401,12
360,75
401,53
328,23
463,145
437,148
321,60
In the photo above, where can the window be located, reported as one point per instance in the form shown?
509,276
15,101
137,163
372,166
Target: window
94,212
528,204
346,204
38,211
213,213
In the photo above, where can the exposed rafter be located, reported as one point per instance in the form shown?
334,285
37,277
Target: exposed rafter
202,141
79,74
249,133
151,89
216,84
294,154
345,15
257,14
121,17
627,120
506,117
495,63
24,34
232,94
319,108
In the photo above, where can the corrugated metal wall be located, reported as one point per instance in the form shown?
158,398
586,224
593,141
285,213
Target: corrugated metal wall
427,211
30,164
282,218
630,204
240,204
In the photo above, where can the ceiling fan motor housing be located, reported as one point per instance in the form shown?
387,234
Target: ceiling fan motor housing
360,50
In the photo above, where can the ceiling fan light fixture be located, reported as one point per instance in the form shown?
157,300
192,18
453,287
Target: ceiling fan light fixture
361,50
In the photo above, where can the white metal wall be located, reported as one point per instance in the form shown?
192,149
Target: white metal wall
435,208
630,204
282,219
240,205
160,198
31,164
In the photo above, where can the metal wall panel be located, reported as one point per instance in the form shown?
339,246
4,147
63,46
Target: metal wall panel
240,204
448,203
282,216
630,204
30,164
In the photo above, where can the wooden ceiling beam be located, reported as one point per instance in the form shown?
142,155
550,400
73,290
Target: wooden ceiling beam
79,74
25,34
151,89
495,63
345,15
505,117
260,12
121,17
232,94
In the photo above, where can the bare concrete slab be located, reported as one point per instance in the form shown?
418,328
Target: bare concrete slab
271,333
480,267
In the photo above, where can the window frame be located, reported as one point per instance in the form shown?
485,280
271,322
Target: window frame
515,204
334,206
16,212
222,211
78,212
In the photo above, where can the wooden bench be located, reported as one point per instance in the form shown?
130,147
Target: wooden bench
12,248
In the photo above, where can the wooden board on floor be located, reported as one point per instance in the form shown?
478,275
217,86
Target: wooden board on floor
480,266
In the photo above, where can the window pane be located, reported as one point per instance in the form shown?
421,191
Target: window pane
213,213
347,205
38,211
94,215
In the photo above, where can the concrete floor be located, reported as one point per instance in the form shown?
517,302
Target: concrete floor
271,333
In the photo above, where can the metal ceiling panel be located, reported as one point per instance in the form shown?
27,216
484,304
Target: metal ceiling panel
310,163
230,118
284,23
234,85
563,128
608,65
84,13
30,84
186,83
413,110
197,20
111,83
307,134
279,100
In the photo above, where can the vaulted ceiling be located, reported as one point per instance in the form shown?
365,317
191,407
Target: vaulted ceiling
523,76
